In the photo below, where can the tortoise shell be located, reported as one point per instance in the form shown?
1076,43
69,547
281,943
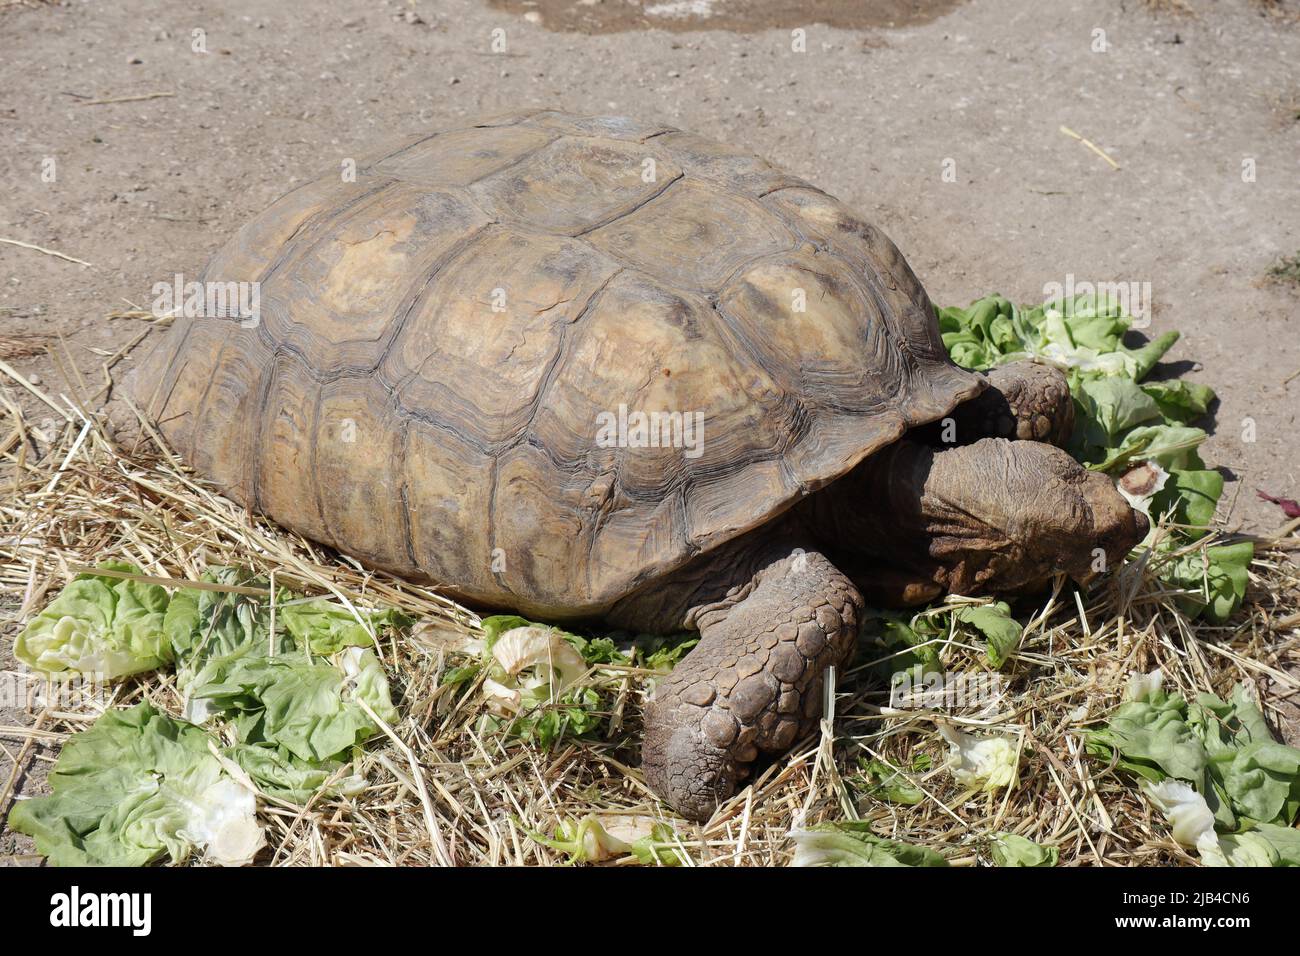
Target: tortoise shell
443,341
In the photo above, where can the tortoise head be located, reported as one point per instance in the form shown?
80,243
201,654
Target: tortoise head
1006,516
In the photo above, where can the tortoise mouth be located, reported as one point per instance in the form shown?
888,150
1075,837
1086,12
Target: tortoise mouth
1116,529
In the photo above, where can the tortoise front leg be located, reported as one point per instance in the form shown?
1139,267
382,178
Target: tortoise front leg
753,684
1024,400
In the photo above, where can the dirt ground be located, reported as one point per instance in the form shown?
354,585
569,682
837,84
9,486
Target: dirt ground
219,108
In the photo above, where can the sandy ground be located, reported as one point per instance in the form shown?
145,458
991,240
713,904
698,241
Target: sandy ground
1185,97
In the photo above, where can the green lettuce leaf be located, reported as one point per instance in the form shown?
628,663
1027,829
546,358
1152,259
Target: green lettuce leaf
883,782
600,838
1115,406
134,787
280,774
660,847
1180,402
1266,844
308,709
1083,334
903,646
1250,783
1169,446
139,785
222,624
995,622
1260,777
296,716
1190,498
98,625
1153,739
663,653
1217,574
326,627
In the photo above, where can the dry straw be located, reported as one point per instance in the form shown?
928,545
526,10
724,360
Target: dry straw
443,790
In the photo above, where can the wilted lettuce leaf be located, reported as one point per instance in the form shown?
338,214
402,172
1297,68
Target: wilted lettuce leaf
594,650
498,624
852,843
547,717
601,838
539,713
1009,849
104,626
987,763
659,847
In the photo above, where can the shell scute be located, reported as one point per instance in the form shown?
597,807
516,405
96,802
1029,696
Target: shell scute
694,235
477,349
339,299
575,184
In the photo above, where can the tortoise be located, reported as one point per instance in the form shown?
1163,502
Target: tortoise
591,369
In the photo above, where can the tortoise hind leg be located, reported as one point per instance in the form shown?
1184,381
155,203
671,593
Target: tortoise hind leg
754,682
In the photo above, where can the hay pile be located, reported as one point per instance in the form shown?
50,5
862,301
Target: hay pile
444,790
